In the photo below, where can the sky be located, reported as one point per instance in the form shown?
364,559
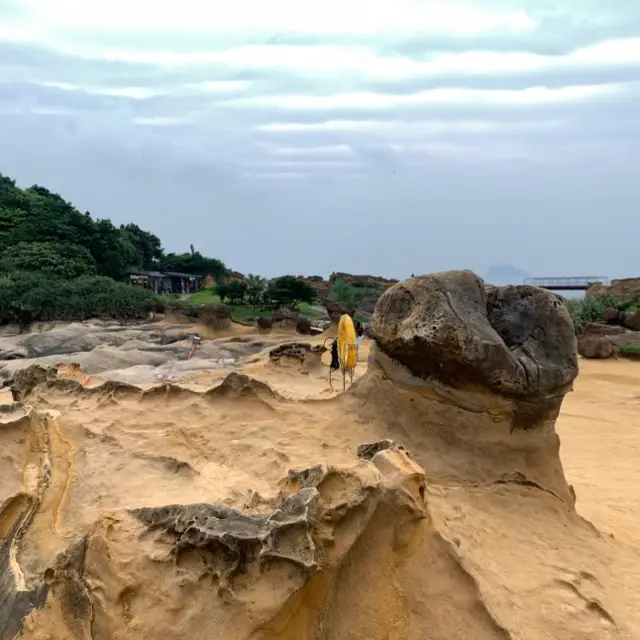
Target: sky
386,137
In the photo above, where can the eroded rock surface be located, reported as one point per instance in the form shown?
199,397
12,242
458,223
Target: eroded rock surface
303,354
516,341
142,353
235,513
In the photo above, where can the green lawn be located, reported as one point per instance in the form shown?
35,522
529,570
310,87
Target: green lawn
206,296
248,312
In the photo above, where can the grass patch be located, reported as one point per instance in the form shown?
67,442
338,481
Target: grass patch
206,296
628,351
249,312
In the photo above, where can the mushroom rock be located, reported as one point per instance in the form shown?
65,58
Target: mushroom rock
491,366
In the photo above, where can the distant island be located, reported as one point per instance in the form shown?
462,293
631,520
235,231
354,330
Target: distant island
501,274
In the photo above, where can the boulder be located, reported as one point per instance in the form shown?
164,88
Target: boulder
215,316
335,310
631,320
516,341
627,319
595,346
600,340
303,326
285,318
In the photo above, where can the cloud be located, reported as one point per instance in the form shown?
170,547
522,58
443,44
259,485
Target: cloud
433,135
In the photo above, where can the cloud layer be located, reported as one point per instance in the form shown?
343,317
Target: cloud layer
392,138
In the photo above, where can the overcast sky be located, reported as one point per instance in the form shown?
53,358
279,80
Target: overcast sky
369,136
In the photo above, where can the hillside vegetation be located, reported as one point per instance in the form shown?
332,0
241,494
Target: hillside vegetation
57,263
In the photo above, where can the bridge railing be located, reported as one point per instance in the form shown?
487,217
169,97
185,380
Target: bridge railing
580,282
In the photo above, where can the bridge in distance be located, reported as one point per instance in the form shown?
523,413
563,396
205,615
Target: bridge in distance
581,283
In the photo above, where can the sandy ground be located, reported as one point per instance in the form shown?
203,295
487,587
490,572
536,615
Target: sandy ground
599,426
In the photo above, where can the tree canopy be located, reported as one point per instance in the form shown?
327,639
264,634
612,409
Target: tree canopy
42,232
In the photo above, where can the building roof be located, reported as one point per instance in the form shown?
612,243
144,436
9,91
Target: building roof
161,274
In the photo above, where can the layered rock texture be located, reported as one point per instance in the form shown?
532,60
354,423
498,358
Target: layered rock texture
428,502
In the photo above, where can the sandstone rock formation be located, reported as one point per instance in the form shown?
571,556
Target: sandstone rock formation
302,354
516,342
362,280
623,289
605,340
335,311
239,513
143,353
627,319
213,316
321,286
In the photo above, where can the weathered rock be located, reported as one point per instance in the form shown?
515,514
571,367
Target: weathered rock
303,326
627,319
363,281
303,354
215,316
232,570
623,289
143,353
611,315
605,340
238,538
265,323
321,286
595,346
516,341
631,320
335,310
285,319
596,328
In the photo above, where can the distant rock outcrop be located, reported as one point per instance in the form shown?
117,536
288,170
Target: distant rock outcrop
362,280
623,289
601,341
213,316
321,286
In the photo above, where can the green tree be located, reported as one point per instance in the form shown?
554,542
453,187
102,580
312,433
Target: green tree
233,291
148,246
289,292
256,286
113,250
195,264
65,260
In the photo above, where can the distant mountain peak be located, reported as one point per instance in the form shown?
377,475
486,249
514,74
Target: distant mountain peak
505,274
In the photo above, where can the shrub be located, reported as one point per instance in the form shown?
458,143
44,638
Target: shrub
590,309
348,295
31,297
